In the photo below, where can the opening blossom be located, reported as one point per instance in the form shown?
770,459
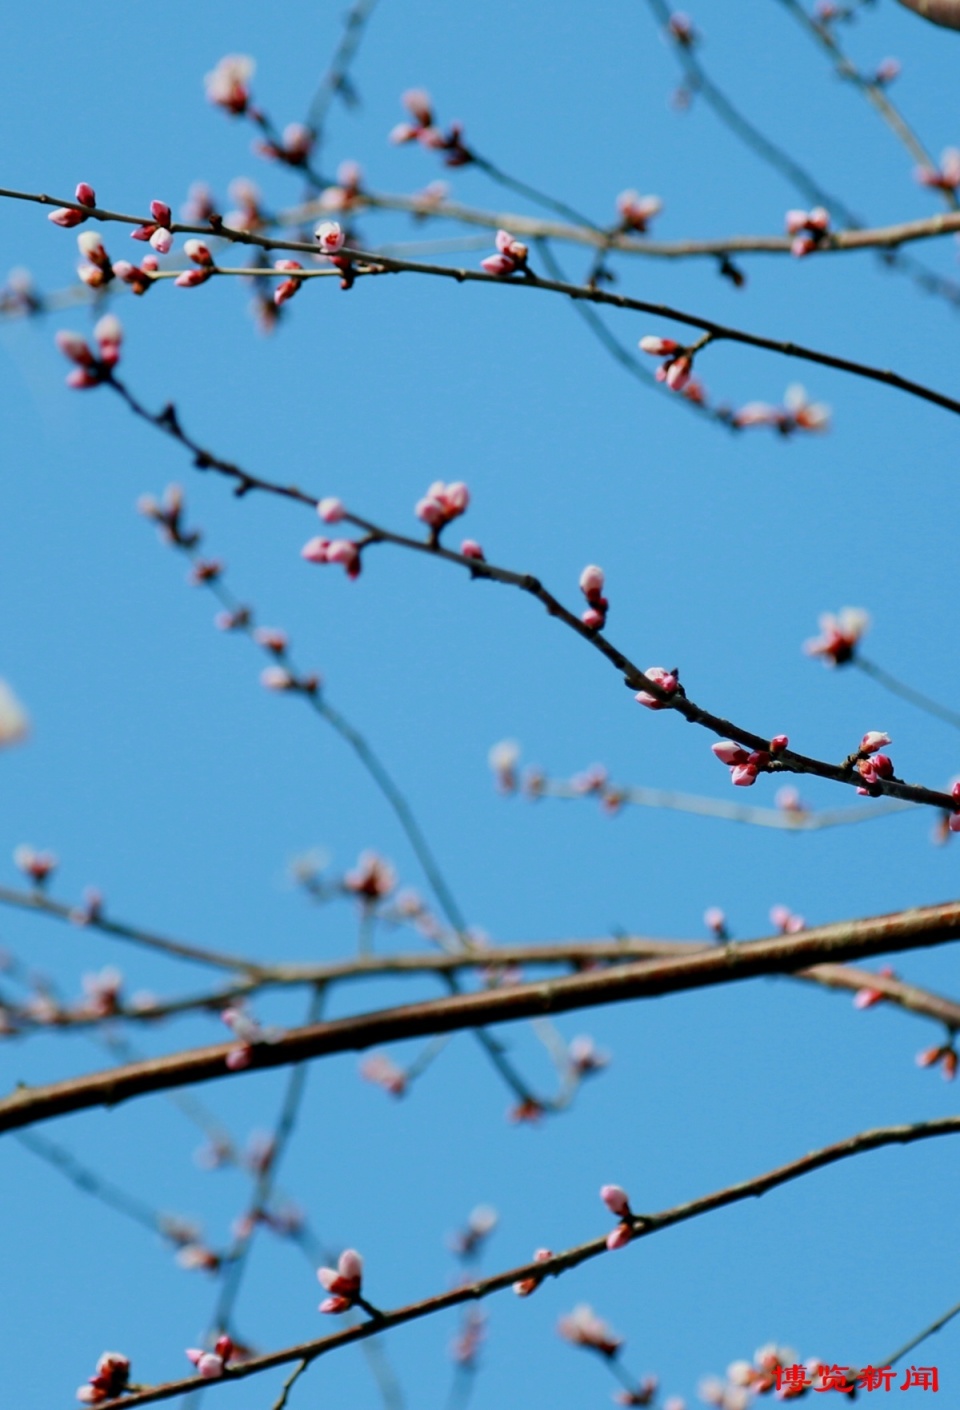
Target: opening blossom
511,256
228,85
668,681
798,413
372,878
343,1283
109,1380
839,637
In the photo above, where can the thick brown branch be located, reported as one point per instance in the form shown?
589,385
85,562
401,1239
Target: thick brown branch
845,940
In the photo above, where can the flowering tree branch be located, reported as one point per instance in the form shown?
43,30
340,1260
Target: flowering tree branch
842,941
640,1226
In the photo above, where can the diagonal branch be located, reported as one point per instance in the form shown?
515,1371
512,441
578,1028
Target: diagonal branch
731,963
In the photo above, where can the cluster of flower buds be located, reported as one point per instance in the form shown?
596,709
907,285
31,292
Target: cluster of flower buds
839,637
343,1283
808,228
383,1072
343,196
95,269
636,211
510,258
110,1379
372,878
67,216
669,683
294,147
945,177
716,922
199,253
481,1222
746,764
585,1057
342,551
228,85
785,921
618,1202
423,129
526,1286
248,215
38,867
943,1056
866,998
582,1327
168,513
797,413
442,504
677,370
212,1364
591,585
157,230
138,277
873,766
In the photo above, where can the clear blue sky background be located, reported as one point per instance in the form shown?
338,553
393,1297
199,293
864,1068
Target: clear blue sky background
162,772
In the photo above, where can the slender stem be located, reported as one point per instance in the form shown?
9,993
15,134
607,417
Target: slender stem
906,692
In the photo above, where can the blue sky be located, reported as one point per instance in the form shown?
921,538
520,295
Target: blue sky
160,770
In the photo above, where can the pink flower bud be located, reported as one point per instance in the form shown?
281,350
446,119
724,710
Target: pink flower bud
85,194
619,1237
743,775
419,105
678,373
591,581
331,510
778,742
498,265
315,550
616,1199
161,212
208,1364
872,741
729,753
197,251
716,921
471,549
191,278
593,619
91,247
528,1285
658,347
66,218
161,240
666,680
74,346
276,678
343,1282
330,237
109,335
